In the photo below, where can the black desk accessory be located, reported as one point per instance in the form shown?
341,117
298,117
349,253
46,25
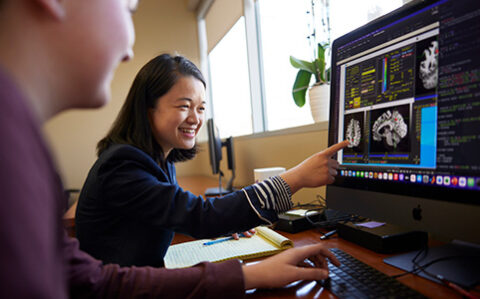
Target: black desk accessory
457,263
387,238
296,223
324,218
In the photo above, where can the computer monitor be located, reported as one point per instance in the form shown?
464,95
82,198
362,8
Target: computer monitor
406,92
215,145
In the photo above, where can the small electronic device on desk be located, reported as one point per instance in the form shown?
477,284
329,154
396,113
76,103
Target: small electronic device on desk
382,237
298,220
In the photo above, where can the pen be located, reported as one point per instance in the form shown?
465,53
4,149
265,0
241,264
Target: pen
327,235
221,240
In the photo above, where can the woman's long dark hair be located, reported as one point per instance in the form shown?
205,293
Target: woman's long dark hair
132,125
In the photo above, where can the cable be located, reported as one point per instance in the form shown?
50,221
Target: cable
415,268
422,268
311,204
444,281
333,221
318,205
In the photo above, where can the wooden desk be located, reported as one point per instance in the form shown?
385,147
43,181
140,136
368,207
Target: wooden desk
312,289
315,290
198,184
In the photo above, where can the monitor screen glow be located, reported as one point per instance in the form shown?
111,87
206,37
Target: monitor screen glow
406,93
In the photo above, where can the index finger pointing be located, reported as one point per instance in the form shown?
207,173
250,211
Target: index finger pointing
335,148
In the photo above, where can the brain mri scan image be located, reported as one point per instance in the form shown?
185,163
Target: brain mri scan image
390,128
428,70
354,133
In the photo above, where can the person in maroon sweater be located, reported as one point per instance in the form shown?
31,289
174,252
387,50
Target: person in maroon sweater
57,55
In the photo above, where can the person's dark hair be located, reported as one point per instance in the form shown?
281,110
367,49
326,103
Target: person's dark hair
132,125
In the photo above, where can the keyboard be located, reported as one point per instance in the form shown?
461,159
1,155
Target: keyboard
354,279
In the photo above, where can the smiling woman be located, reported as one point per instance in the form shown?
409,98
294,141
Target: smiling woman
179,115
132,187
131,204
175,79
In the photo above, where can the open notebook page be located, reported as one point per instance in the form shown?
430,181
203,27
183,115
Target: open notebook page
190,253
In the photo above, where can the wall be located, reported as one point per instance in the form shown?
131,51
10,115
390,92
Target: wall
284,148
167,26
161,26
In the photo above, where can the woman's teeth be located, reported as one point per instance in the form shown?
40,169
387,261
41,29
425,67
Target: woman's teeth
188,131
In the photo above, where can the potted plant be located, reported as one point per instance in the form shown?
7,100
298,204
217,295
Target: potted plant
319,92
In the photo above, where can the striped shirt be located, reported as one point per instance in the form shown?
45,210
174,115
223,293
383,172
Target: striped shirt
273,194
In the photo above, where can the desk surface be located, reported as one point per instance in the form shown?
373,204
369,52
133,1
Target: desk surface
315,290
430,289
198,184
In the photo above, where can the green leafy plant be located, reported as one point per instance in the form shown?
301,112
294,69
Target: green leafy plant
305,72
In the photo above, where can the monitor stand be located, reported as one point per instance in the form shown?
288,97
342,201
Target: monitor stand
459,263
212,192
220,191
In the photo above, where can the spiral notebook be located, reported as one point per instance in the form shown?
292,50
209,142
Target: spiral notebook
265,242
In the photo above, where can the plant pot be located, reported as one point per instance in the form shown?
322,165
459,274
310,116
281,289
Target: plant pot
319,97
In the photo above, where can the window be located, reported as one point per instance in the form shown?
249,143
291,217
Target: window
284,28
251,89
230,87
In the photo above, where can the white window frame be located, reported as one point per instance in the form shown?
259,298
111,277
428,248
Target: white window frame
257,92
255,70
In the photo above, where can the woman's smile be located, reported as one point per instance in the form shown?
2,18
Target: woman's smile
179,114
189,133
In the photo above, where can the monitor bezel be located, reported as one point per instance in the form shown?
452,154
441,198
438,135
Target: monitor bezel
384,186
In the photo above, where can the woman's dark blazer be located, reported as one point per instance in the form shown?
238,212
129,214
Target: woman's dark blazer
129,209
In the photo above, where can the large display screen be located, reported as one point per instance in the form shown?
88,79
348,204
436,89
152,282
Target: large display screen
406,94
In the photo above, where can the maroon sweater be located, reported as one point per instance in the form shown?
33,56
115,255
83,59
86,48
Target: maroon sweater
38,260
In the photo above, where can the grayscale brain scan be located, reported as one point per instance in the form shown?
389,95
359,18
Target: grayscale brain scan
354,133
428,71
390,127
